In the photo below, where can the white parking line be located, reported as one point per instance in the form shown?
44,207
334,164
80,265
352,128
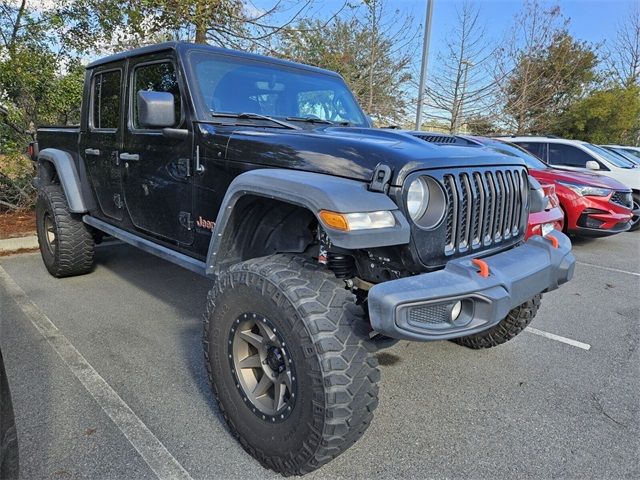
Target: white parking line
154,453
553,336
635,274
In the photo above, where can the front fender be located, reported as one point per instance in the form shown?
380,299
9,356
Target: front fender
315,192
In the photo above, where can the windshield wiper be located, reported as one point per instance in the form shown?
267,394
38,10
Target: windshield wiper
256,116
317,120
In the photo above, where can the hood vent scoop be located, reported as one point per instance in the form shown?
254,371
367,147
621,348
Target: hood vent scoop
435,137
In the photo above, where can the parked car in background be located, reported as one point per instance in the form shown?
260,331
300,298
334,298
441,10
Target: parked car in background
550,219
584,157
630,153
593,205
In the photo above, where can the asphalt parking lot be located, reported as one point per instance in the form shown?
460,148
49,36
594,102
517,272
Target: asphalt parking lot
535,407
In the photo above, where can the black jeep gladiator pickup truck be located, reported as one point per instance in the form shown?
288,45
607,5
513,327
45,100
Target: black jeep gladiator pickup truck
325,238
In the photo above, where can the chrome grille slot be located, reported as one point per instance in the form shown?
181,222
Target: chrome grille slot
485,208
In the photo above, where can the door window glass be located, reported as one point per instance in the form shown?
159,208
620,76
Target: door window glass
106,100
560,154
156,77
535,148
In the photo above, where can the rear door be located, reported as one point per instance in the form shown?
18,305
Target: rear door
157,179
539,149
103,140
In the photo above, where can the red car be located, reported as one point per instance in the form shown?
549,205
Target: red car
593,205
551,218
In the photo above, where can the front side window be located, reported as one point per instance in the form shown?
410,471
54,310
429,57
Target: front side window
106,100
156,77
561,154
228,85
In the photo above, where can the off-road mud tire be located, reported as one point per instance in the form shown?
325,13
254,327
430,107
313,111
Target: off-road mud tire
74,249
328,341
514,323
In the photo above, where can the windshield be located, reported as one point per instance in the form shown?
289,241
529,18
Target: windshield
614,158
224,84
513,150
635,153
626,154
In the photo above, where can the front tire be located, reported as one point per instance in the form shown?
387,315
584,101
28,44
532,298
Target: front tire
66,242
285,319
635,220
510,326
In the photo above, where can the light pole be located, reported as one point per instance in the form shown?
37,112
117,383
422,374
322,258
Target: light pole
425,59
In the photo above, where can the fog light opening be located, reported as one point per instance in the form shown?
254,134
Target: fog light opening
456,309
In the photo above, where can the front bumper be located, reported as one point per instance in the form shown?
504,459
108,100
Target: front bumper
419,307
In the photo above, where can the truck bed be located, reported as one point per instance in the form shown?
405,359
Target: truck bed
63,137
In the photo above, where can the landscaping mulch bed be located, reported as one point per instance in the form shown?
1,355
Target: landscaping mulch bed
17,224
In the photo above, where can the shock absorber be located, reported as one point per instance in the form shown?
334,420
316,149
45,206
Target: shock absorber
343,266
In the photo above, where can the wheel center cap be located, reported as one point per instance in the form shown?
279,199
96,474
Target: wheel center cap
275,359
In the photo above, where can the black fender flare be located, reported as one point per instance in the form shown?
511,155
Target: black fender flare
315,192
68,175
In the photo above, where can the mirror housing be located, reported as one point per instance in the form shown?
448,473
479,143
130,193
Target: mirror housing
593,165
537,199
156,109
175,133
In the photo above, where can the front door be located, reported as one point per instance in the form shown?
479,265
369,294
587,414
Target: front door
157,177
100,146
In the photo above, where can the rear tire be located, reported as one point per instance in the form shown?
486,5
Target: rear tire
323,362
514,323
66,242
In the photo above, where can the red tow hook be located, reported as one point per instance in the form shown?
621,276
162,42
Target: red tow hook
554,241
482,265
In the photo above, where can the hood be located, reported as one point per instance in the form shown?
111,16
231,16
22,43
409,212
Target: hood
345,151
582,177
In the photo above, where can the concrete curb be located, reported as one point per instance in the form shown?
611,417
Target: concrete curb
18,243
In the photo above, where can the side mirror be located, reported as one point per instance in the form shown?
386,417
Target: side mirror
156,109
537,199
593,165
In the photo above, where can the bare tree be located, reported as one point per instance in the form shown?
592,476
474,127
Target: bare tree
462,85
623,54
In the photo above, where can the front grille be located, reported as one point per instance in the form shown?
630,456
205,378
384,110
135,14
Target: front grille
623,199
430,314
484,208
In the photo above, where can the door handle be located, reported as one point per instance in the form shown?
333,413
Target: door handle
130,157
91,151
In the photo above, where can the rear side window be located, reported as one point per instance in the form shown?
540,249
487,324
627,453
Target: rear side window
560,154
106,100
156,77
535,148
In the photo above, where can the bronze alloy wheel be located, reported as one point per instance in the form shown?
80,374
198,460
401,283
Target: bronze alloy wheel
262,367
51,238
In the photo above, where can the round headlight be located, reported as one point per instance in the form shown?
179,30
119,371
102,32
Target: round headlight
417,198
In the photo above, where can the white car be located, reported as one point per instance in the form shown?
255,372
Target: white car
584,156
630,153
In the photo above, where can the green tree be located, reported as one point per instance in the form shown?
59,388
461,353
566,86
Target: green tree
605,116
372,57
545,83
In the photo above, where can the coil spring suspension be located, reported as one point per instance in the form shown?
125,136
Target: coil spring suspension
343,266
